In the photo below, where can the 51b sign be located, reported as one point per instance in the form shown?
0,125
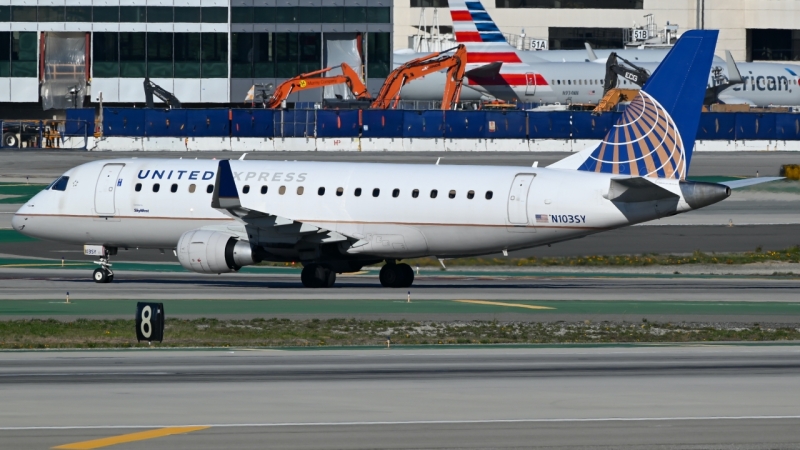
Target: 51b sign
149,322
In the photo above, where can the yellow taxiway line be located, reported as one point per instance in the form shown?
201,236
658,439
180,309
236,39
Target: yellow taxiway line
512,305
132,437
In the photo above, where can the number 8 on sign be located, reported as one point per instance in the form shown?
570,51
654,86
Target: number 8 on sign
146,327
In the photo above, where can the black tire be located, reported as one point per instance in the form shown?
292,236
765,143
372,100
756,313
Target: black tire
10,140
331,278
100,276
406,275
307,275
389,275
110,277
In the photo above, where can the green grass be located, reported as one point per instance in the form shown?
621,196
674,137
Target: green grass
21,192
25,334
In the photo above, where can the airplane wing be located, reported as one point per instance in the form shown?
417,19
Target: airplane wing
268,226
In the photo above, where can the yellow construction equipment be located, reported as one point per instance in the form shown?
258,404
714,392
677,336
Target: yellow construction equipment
614,97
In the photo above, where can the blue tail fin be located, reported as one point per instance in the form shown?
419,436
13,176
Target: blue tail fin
655,136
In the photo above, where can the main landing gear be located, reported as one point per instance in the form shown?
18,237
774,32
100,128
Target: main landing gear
103,274
317,276
396,275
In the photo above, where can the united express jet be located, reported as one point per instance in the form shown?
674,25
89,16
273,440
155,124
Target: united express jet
219,216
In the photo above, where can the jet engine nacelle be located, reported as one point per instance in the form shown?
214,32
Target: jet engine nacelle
207,251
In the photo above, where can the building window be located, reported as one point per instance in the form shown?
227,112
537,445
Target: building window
192,188
5,13
434,193
105,55
174,188
379,15
355,14
571,4
263,15
187,55
132,14
263,55
51,14
138,187
242,55
264,190
242,14
333,15
214,55
23,13
286,55
23,54
309,14
310,52
108,14
210,189
379,54
571,38
429,4
190,14
214,15
160,14
773,45
79,13
159,55
132,55
321,191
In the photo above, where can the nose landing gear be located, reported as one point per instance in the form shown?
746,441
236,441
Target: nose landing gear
104,274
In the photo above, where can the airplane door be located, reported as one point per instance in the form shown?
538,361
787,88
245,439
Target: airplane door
106,185
518,199
530,83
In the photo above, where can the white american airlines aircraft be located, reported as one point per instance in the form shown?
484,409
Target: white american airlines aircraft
338,217
524,76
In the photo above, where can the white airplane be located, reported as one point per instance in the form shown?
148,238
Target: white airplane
495,69
339,217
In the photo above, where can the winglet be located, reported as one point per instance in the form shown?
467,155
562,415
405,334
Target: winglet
225,193
734,77
590,51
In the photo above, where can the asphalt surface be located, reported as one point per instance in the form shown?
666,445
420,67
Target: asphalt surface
742,397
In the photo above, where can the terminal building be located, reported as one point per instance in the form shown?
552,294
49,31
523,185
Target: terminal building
203,51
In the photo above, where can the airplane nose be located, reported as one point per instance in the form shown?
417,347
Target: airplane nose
16,222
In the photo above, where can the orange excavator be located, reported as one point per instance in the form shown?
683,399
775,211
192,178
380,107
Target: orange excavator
314,80
455,64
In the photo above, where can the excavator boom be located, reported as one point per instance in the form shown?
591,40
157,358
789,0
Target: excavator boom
314,80
454,63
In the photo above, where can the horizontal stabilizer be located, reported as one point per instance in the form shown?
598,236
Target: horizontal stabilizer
736,184
490,70
640,189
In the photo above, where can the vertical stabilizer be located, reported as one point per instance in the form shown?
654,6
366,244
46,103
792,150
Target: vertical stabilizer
474,28
655,135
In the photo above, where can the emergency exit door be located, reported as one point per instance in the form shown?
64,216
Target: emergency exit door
530,83
106,186
518,199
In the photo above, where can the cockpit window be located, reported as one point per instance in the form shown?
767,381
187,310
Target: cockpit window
60,184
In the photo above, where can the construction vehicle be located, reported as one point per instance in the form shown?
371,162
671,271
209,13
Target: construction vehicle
454,63
612,96
151,89
314,80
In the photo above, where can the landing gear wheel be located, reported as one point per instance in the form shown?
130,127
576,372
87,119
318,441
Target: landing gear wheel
110,277
100,276
396,275
407,275
316,276
389,275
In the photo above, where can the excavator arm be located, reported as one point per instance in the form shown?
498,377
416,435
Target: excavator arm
151,89
629,71
454,63
314,80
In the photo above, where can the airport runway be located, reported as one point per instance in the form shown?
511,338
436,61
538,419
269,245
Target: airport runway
665,397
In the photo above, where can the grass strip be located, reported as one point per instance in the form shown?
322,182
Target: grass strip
21,192
83,333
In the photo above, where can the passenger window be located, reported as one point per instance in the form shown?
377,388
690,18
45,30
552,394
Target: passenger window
339,192
282,190
209,189
174,188
246,189
415,193
321,191
156,187
192,188
376,192
471,195
138,187
60,184
434,193
452,194
489,195
357,192
300,190
396,193
263,190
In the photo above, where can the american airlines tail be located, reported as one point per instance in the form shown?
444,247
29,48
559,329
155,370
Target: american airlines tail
474,28
655,136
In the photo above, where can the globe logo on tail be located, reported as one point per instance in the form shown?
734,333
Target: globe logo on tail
645,142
